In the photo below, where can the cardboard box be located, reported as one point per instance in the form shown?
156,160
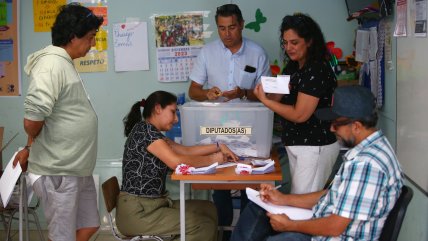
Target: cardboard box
247,124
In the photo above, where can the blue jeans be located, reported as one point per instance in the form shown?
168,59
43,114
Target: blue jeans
254,225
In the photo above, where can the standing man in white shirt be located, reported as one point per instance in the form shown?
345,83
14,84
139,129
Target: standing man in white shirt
228,68
231,66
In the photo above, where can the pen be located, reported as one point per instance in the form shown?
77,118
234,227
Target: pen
276,187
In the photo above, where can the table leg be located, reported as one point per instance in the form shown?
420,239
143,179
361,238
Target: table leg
21,203
25,207
182,212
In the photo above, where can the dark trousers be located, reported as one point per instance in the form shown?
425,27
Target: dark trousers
223,202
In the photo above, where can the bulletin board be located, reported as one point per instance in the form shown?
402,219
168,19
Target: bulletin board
10,84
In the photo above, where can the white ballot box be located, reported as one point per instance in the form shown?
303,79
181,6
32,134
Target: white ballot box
245,127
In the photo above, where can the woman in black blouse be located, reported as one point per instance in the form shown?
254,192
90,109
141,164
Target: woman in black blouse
311,147
143,204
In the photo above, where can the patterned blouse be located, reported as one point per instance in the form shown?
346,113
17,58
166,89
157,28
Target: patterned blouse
143,173
318,80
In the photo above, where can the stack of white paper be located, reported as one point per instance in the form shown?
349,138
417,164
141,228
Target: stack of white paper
292,212
205,170
8,180
260,163
267,168
186,169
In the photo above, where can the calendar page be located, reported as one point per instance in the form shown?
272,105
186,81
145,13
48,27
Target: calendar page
175,63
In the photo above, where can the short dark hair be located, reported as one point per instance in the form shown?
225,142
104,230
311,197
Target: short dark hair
228,10
309,30
369,121
73,20
134,116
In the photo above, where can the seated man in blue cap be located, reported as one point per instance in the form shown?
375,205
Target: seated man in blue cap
363,192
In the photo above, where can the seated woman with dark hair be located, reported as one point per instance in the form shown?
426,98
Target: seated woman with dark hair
143,205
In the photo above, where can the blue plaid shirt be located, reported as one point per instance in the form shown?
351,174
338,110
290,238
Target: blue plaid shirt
365,189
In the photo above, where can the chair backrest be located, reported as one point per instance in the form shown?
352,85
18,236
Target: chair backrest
110,192
392,225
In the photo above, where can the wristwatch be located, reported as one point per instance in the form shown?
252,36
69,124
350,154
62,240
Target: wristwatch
27,148
244,97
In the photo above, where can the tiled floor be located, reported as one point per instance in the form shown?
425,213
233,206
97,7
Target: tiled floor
103,235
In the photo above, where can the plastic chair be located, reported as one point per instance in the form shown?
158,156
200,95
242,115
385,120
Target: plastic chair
111,192
392,225
7,215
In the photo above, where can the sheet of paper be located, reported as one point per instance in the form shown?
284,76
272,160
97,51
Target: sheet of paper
205,170
260,163
130,46
420,18
362,46
8,180
277,85
227,164
268,168
292,212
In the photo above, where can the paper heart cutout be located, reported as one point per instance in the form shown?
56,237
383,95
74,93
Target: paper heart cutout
123,26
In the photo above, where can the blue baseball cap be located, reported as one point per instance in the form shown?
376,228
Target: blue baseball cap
354,102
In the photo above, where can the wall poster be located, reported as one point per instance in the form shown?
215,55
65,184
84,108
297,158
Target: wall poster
10,83
179,39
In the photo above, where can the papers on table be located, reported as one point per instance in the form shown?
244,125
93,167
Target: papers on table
205,170
8,180
268,166
260,163
227,164
292,212
188,170
277,85
243,169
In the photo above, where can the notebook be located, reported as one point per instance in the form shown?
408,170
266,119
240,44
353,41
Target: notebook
292,212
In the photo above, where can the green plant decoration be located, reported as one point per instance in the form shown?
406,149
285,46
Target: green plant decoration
259,20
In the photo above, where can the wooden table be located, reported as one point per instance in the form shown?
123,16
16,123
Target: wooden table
224,178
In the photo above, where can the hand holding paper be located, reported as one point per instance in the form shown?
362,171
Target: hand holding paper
292,212
21,157
8,180
277,85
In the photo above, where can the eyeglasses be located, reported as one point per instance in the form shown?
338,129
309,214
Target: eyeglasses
338,123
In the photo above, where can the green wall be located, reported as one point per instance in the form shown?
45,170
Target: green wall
113,93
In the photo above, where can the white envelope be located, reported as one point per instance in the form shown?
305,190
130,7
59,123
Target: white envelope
277,85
